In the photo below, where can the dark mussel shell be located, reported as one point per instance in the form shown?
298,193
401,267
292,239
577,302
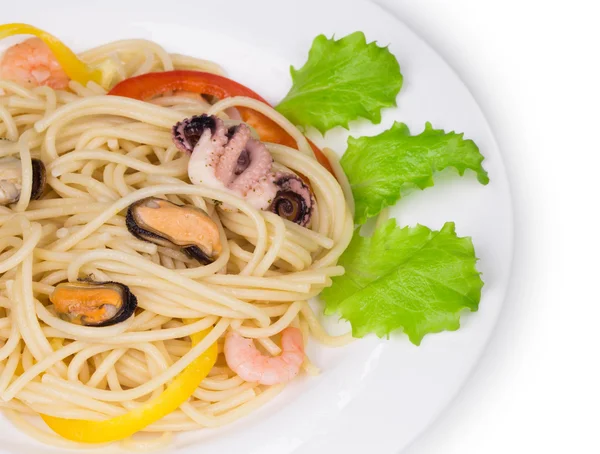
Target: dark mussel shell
39,179
143,231
128,301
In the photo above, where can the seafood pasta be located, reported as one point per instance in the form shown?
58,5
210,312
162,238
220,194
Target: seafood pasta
162,231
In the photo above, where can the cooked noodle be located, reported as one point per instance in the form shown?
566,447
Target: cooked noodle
103,153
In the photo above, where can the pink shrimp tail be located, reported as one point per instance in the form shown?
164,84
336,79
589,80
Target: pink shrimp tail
244,359
32,64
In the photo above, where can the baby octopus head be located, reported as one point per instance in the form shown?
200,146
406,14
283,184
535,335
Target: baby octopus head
231,159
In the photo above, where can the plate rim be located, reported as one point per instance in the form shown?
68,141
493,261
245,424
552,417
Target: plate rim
509,187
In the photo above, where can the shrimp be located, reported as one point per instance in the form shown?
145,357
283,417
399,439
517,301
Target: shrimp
32,64
244,359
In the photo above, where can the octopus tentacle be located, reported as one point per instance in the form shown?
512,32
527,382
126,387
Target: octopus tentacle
294,200
225,169
260,165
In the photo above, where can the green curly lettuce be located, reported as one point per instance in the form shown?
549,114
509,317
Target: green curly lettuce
413,279
381,167
342,81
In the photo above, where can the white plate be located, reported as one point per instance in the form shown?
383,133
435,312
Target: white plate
375,395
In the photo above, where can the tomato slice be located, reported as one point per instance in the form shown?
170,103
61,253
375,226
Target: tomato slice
147,86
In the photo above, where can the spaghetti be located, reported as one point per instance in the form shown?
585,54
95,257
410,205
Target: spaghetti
102,154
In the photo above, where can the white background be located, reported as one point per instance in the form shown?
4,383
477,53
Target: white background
534,67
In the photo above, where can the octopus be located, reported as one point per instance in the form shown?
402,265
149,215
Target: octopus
231,159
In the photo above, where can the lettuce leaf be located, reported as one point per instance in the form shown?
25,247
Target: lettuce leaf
341,81
381,167
411,278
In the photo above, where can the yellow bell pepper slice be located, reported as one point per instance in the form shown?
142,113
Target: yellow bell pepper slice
123,426
76,69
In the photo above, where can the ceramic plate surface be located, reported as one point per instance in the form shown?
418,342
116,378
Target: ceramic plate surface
374,395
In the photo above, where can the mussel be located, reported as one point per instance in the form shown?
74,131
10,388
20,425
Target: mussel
182,227
11,176
294,200
92,303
